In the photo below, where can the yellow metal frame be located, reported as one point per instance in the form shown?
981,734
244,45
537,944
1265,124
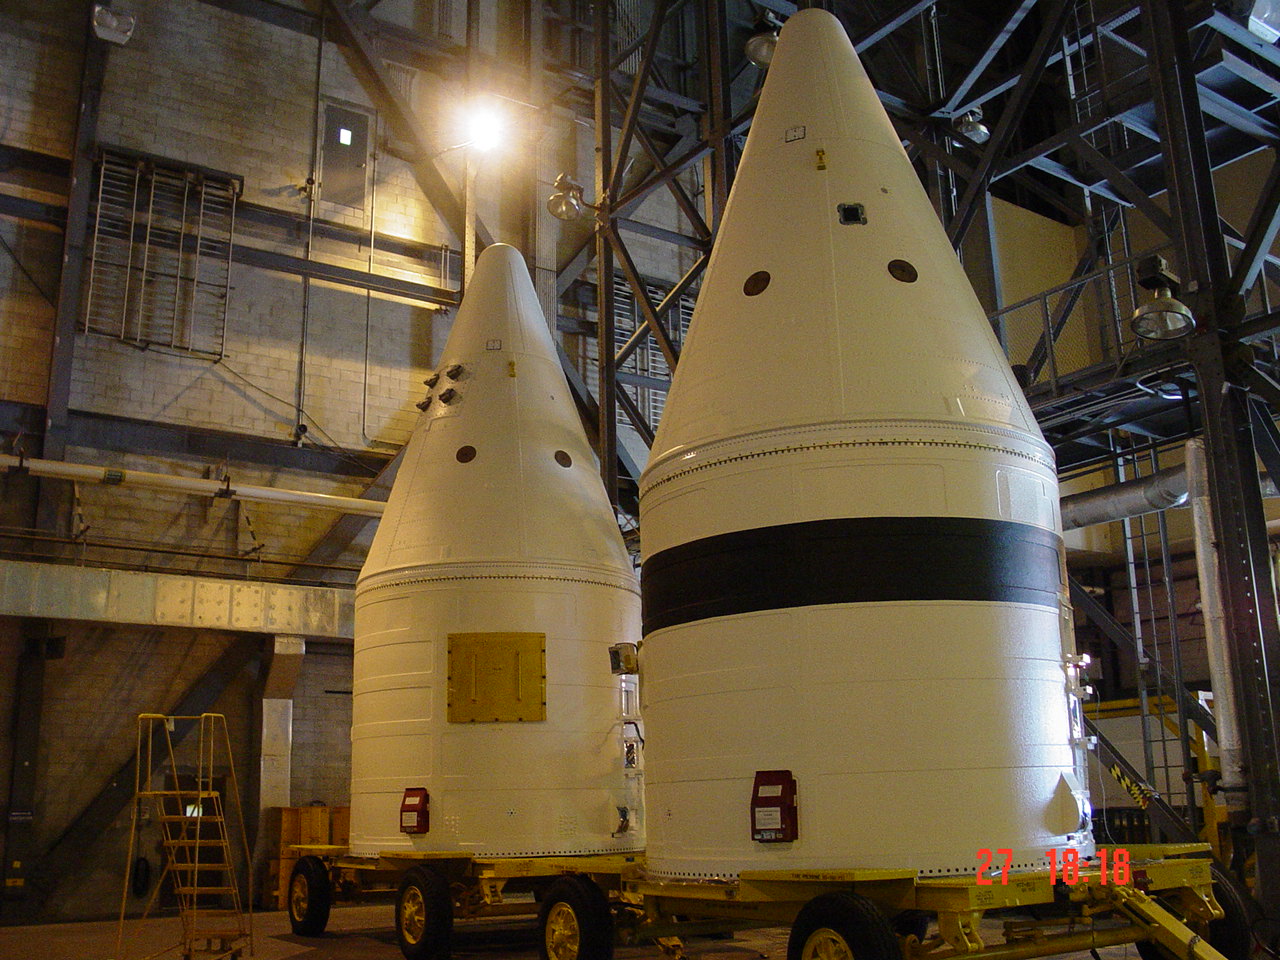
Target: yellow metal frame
1178,873
959,903
1164,707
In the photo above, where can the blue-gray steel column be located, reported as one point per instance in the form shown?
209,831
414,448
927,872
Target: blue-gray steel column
1235,493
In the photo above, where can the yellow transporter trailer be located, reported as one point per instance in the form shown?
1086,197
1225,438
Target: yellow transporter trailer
431,890
1176,906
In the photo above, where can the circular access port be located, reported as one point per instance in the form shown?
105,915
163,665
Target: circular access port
564,459
466,454
756,283
902,270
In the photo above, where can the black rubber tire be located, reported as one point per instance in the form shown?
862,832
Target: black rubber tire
424,901
310,897
1232,936
588,915
911,923
849,917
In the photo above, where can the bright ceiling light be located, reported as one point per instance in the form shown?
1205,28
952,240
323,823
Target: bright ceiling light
486,128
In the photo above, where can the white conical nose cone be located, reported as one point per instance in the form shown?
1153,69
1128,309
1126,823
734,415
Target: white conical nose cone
495,584
808,315
498,467
850,528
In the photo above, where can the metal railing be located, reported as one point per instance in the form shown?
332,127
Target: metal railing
1084,322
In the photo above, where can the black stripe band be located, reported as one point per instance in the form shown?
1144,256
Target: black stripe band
858,560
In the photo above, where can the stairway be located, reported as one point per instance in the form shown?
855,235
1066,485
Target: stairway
200,867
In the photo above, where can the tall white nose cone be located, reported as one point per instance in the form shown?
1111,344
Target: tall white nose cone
493,588
852,545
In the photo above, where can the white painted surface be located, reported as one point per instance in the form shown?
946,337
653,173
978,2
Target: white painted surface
509,541
918,732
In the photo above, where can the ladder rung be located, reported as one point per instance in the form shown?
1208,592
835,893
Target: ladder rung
219,934
193,794
191,842
197,891
178,818
178,865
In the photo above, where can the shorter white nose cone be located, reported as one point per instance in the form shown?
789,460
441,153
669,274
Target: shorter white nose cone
494,586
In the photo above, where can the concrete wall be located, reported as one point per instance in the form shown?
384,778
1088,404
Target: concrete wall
321,763
92,697
201,86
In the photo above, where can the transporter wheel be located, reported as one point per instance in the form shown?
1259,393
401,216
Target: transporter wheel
424,915
575,921
1232,936
310,896
842,926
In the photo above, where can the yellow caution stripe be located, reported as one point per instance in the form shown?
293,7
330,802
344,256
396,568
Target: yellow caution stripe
1140,792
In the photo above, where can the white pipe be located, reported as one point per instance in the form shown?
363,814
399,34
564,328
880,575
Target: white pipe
1215,619
87,473
1160,491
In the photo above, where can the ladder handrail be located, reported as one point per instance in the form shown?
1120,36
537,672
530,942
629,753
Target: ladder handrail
182,815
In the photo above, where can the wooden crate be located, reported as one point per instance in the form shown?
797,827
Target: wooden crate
313,825
290,826
284,873
340,826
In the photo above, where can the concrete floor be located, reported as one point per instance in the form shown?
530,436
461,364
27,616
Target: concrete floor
364,933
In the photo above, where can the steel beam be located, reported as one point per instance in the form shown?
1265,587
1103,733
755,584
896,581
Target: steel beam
335,541
1263,227
682,198
107,431
346,276
1121,183
1235,494
1067,49
716,166
652,319
890,22
589,410
606,423
643,427
670,300
581,258
28,704
70,285
1019,13
33,211
1054,20
631,114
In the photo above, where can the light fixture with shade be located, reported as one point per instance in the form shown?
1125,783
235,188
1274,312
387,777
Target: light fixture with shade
1166,317
970,125
764,38
112,25
566,202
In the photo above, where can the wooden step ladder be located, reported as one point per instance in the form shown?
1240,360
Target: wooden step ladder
217,918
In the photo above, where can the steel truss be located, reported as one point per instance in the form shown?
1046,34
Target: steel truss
1180,89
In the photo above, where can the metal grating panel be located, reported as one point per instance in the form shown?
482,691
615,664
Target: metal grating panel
647,359
160,255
